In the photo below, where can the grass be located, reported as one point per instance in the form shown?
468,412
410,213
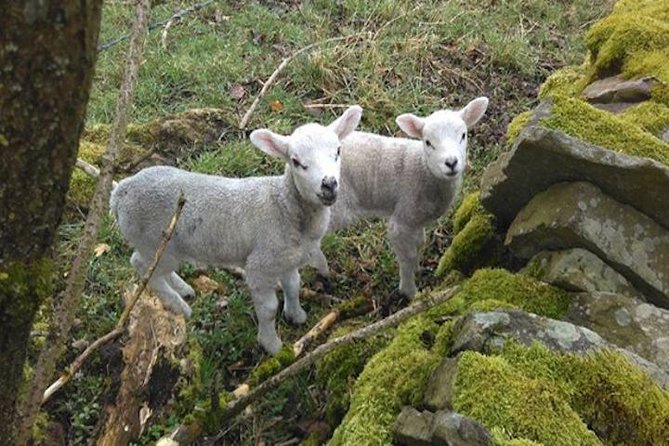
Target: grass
410,56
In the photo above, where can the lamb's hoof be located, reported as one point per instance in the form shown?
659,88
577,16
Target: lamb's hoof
272,345
393,303
298,317
181,308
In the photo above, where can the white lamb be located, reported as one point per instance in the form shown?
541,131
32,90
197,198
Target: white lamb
266,225
408,182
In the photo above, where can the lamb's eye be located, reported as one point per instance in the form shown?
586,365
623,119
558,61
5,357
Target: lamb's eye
428,143
338,152
464,135
297,163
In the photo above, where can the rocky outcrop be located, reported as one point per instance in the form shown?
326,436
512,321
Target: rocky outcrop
577,270
628,323
488,332
581,215
542,157
442,428
618,90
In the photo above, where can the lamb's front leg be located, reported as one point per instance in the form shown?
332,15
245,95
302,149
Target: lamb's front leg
406,242
266,305
290,283
317,260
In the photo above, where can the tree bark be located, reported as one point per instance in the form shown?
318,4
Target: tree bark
47,55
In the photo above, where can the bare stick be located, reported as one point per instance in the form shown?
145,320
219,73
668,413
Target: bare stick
91,170
280,68
318,329
186,434
120,325
64,314
177,15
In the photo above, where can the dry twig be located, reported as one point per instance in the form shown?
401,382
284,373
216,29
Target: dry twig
64,314
123,320
91,170
186,434
280,68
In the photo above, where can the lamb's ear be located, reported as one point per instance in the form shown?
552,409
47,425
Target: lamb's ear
410,124
270,143
347,122
474,111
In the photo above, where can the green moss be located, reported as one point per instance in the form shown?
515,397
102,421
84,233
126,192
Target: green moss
567,81
82,186
354,307
583,121
492,305
612,40
338,371
651,64
492,391
649,115
470,206
273,365
395,376
516,290
502,438
517,125
444,338
471,248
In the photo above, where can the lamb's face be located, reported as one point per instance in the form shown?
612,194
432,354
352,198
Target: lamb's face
313,155
444,136
314,159
445,144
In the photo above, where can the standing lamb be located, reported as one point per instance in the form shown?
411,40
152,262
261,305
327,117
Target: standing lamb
265,225
408,182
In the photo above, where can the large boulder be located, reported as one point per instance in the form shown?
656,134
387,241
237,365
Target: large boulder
580,215
442,428
488,332
629,323
542,157
577,270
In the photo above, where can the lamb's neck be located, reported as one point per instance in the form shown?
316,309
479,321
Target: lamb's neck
444,187
310,220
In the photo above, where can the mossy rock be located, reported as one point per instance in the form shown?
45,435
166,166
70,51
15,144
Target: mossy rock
495,286
338,371
652,116
394,377
474,244
517,125
270,367
568,81
534,394
490,390
585,122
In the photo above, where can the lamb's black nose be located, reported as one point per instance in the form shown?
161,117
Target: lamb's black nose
451,163
329,185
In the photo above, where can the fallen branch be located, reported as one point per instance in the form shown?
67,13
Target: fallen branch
64,313
91,170
177,15
122,321
186,434
280,68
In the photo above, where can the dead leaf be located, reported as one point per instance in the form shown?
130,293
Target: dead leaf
80,345
237,91
101,248
205,284
144,415
276,106
258,37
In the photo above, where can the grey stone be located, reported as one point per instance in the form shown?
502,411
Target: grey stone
579,214
443,428
542,157
453,429
475,332
615,107
618,89
439,392
629,323
413,428
579,270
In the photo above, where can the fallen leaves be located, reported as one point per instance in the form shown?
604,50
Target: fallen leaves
205,285
276,106
237,92
100,249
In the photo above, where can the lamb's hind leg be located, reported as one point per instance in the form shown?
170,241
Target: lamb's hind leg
160,284
290,283
406,242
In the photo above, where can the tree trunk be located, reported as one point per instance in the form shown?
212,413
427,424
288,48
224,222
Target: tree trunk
47,54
